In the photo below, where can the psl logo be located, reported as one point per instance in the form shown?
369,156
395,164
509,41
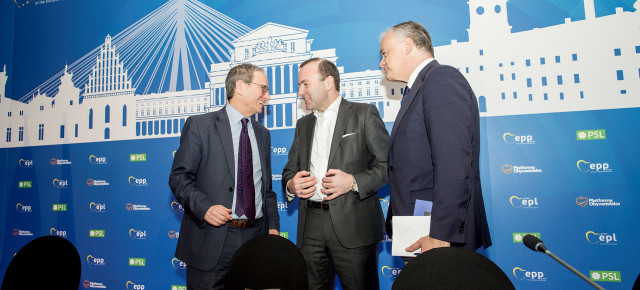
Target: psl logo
25,163
174,235
97,207
517,139
97,160
134,286
522,274
389,272
507,168
584,135
176,206
137,235
589,167
137,181
58,233
523,202
178,264
93,261
606,276
23,208
60,183
604,239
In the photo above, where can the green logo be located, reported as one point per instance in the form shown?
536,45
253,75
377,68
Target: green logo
605,276
518,237
178,287
284,235
138,157
96,233
25,184
139,262
586,135
59,207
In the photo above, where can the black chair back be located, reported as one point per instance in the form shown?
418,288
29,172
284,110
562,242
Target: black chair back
451,268
43,263
268,262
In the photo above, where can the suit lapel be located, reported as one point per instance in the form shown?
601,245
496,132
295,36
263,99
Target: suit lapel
344,113
417,85
308,142
224,131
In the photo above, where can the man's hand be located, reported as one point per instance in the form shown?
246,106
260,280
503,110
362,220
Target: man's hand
302,184
336,183
217,215
274,232
427,243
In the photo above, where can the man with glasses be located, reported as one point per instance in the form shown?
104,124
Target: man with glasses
221,175
337,162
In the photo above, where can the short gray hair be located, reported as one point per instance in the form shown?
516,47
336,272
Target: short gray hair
243,72
416,32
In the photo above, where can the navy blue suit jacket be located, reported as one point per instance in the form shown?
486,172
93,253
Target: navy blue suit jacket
203,175
434,155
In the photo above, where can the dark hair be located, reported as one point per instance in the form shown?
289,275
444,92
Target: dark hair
416,32
243,72
326,68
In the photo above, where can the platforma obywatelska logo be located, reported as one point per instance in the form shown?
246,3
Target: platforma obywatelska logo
174,235
587,135
595,202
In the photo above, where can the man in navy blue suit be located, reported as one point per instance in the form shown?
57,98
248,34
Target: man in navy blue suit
435,143
221,175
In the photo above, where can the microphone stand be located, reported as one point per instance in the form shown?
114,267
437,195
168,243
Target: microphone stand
552,255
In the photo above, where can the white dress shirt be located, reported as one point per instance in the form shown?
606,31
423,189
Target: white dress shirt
416,72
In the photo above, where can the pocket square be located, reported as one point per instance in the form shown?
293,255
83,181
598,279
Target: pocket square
349,134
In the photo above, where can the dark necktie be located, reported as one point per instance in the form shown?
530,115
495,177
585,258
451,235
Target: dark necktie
245,199
406,92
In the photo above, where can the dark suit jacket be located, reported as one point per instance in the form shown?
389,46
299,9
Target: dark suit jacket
434,155
357,220
203,174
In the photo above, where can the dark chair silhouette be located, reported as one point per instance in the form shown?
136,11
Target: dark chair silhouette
268,262
451,268
43,263
636,285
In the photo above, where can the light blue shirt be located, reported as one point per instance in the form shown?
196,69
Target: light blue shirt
235,120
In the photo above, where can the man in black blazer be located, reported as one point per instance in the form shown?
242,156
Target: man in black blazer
337,162
435,143
206,179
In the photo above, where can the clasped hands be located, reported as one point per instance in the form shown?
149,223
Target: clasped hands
335,183
218,215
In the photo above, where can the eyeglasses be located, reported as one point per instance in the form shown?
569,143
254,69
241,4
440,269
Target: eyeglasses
265,89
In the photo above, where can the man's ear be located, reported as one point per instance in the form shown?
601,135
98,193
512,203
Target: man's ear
407,45
328,83
240,87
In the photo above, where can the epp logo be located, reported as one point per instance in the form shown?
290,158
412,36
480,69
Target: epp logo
97,207
176,206
93,261
517,139
525,202
23,208
173,154
582,201
604,239
278,150
389,272
507,168
137,181
137,235
174,235
60,183
134,286
282,206
585,167
58,233
25,163
178,264
97,160
522,274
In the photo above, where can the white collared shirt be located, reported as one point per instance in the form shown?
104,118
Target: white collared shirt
414,74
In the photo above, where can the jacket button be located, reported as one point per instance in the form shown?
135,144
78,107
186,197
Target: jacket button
390,168
230,189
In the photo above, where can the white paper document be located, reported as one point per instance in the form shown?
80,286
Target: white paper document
406,231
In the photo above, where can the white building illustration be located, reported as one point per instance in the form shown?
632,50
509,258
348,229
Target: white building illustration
554,69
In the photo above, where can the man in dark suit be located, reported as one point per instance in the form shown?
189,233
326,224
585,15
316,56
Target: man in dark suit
435,143
221,175
337,162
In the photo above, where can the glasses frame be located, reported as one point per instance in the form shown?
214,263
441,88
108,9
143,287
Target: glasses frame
265,89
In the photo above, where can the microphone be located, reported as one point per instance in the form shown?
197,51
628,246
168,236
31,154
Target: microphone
534,243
